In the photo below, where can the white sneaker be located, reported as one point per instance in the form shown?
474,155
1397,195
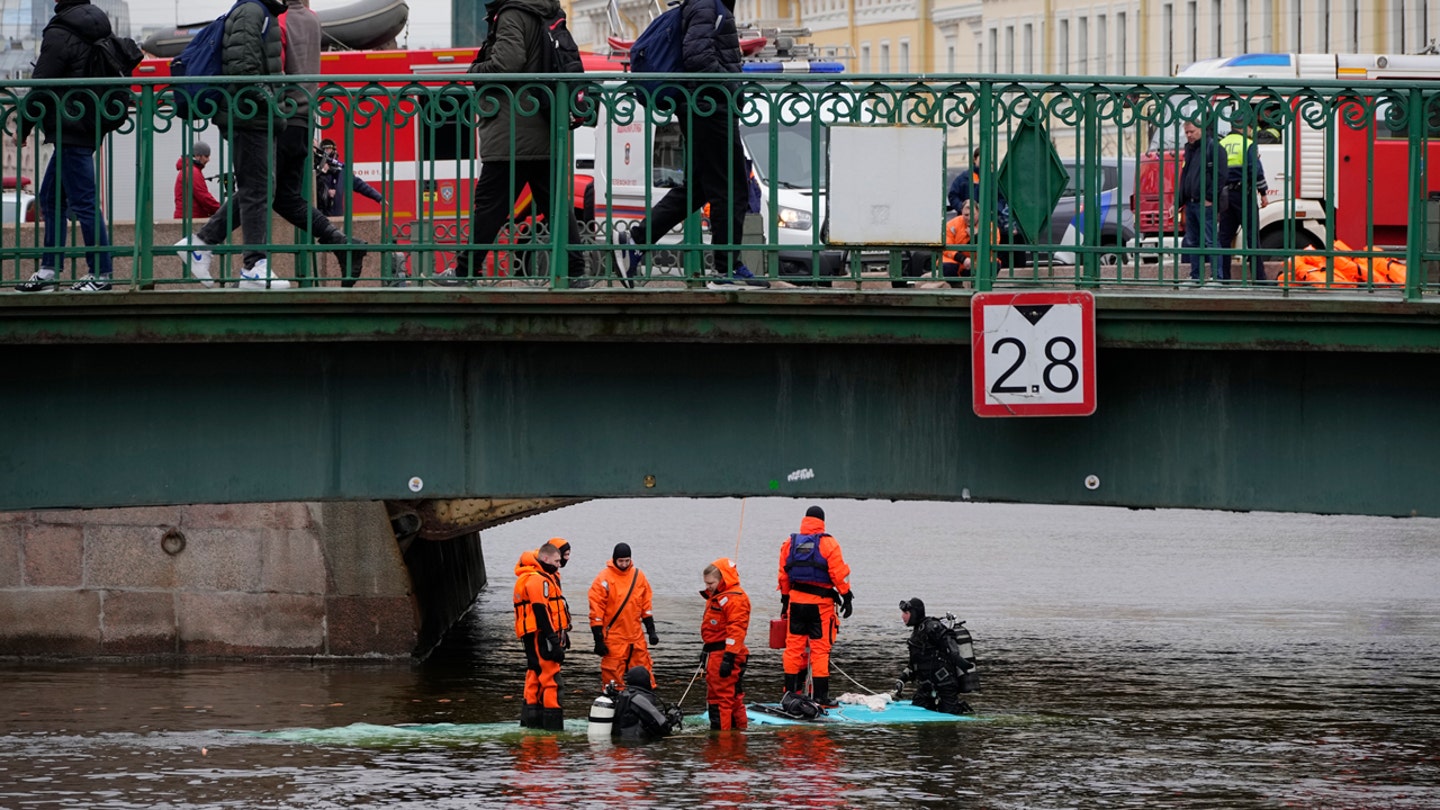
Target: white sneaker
198,261
259,278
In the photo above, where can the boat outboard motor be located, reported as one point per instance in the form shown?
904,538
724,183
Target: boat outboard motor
602,717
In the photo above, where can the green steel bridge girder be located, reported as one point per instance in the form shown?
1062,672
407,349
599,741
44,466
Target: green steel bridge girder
1317,404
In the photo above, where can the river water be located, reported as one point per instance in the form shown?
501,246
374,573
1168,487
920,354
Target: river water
1130,659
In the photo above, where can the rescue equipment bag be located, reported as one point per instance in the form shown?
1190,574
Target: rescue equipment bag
801,706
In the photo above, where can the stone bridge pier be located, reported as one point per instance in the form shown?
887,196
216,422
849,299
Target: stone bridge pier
239,580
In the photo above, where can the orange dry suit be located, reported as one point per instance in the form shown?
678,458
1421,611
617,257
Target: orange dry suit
723,630
542,623
813,575
620,603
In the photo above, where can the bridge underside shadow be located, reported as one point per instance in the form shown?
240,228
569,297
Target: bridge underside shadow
121,425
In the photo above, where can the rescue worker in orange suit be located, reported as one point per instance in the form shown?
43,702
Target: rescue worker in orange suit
542,623
813,578
723,629
620,602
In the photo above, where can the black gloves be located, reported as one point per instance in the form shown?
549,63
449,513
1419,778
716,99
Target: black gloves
551,648
727,664
845,607
899,687
600,648
784,605
906,674
649,622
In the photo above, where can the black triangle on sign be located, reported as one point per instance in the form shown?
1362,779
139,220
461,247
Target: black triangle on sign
1034,312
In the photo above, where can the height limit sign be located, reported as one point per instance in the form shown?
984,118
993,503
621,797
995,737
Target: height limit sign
1033,353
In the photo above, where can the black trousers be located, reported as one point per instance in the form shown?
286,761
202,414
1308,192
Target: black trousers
494,201
292,164
714,174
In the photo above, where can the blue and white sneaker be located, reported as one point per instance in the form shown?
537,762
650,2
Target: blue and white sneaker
92,283
197,260
259,277
742,277
627,259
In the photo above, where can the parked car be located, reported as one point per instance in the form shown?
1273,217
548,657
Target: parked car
17,204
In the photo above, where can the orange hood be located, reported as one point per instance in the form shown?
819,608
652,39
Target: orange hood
729,574
528,562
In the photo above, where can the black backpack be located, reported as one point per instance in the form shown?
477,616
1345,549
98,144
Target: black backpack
111,57
558,51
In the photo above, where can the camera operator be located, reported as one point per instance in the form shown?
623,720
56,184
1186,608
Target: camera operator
330,173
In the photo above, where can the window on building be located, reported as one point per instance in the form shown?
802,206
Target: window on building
994,50
1243,18
1082,46
864,57
1217,29
904,56
884,65
1324,32
1297,29
1102,44
1009,49
1352,26
1029,46
1167,15
1267,26
1122,43
1062,46
950,48
1192,25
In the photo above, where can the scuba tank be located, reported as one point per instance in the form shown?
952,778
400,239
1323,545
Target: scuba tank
970,679
602,717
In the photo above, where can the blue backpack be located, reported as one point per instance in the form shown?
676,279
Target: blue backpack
660,49
202,57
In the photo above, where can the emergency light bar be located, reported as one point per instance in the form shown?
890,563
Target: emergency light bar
802,66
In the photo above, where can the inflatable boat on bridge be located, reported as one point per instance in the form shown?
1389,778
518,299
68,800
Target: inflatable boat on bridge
359,26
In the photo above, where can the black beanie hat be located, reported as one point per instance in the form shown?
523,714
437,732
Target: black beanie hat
621,550
637,676
815,512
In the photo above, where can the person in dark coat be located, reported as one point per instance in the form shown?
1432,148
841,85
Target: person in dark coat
640,714
515,132
715,168
331,174
937,663
68,189
1201,179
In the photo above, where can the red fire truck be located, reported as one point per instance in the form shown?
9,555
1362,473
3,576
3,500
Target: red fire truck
426,169
1301,175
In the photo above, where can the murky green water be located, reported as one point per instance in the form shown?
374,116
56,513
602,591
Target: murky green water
1131,659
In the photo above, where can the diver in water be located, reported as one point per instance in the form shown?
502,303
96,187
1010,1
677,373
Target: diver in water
942,661
640,714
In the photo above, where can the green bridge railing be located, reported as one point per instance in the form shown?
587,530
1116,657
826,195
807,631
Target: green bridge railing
1074,181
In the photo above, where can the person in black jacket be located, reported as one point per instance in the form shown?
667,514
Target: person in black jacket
67,189
335,182
640,714
937,662
1201,179
715,170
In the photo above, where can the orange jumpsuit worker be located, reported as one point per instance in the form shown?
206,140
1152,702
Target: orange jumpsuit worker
813,576
723,629
620,601
542,623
